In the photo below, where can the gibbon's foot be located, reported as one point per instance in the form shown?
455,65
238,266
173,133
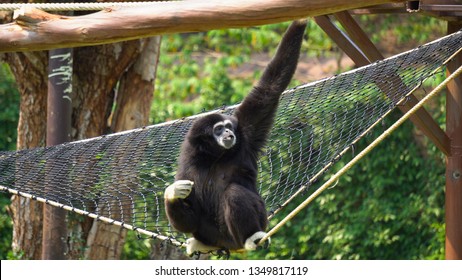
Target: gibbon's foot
178,190
193,245
252,242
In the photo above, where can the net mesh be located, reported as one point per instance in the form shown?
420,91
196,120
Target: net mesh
122,176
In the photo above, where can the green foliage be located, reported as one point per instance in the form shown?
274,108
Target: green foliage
136,247
416,29
389,206
6,229
194,69
9,114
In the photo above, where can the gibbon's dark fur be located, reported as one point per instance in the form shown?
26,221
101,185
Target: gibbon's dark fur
224,207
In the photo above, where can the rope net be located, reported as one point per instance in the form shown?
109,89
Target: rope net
120,178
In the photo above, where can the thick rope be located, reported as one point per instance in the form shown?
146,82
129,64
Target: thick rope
73,6
363,153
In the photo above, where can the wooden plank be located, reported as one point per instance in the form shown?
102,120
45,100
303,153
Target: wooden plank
29,33
421,118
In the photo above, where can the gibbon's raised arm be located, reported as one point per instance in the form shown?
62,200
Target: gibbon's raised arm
256,112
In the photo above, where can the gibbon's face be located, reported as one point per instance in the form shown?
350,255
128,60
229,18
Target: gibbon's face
214,133
223,131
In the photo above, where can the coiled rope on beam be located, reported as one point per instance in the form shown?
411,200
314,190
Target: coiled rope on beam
73,6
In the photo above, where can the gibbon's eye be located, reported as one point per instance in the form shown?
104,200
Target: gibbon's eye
229,125
218,130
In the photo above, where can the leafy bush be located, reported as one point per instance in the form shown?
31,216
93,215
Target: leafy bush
389,206
9,114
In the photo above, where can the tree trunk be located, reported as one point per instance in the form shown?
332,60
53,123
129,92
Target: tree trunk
31,77
133,100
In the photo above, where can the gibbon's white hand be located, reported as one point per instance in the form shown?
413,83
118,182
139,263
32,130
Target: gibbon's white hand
178,190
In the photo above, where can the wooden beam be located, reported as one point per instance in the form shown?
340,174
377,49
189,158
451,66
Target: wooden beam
450,10
454,161
369,53
29,33
388,8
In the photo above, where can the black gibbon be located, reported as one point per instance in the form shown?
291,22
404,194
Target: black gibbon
215,197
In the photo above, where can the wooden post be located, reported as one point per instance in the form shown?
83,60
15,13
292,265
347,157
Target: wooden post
454,161
58,131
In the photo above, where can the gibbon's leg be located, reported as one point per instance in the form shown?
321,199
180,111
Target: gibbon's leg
244,215
179,203
251,243
193,245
